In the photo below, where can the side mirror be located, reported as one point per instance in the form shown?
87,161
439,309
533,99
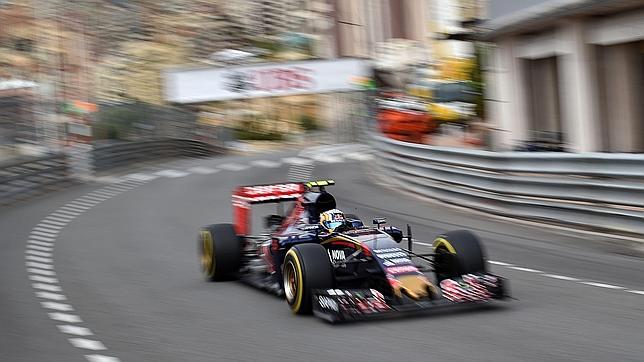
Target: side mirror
273,220
394,232
379,221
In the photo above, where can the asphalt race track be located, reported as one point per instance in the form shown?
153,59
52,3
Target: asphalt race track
114,276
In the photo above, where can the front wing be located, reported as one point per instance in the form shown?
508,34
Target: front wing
339,305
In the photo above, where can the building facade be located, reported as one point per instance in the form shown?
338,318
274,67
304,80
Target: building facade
571,73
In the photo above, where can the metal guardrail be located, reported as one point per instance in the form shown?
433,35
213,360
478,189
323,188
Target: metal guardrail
595,191
119,154
28,177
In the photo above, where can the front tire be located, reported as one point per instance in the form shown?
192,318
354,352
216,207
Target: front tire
220,250
306,267
458,252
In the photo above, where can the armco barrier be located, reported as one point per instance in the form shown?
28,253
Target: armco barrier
595,191
27,177
107,156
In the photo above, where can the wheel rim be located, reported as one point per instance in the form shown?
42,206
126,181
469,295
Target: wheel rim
290,281
207,254
445,263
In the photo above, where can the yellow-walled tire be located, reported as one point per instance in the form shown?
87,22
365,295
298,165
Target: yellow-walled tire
458,252
306,267
220,251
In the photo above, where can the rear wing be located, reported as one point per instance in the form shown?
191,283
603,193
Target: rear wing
245,196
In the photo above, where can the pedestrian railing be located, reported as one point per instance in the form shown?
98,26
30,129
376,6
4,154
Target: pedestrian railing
27,177
21,179
108,156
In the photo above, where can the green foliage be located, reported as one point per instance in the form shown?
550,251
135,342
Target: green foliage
272,47
116,121
308,123
248,135
476,80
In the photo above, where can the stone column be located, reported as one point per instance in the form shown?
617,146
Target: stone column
578,89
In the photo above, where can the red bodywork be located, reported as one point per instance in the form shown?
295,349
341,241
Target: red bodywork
245,196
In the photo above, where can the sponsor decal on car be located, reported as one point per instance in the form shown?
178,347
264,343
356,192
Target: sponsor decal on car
402,269
392,255
468,289
353,302
336,255
328,303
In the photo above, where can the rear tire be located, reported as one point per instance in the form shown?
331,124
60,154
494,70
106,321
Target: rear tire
220,250
458,252
306,267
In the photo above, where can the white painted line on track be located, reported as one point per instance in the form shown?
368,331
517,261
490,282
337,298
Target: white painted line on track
47,287
42,279
52,296
38,253
202,170
62,217
266,163
46,227
62,307
44,232
64,317
51,222
171,173
39,259
553,276
87,344
37,240
494,262
561,277
75,208
603,285
519,268
101,358
94,198
38,247
119,189
68,212
41,271
76,330
33,264
89,204
233,167
104,193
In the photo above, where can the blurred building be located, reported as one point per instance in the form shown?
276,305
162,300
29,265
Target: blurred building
570,72
362,24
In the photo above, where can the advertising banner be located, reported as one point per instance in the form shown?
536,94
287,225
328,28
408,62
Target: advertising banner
266,80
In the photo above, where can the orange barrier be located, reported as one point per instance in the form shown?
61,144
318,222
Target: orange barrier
405,125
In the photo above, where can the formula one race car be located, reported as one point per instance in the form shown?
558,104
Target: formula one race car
333,265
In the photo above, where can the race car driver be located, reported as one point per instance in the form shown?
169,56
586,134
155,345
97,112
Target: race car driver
334,221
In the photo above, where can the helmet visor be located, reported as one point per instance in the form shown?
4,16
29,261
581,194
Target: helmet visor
332,224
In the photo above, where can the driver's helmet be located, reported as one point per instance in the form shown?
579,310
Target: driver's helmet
332,219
